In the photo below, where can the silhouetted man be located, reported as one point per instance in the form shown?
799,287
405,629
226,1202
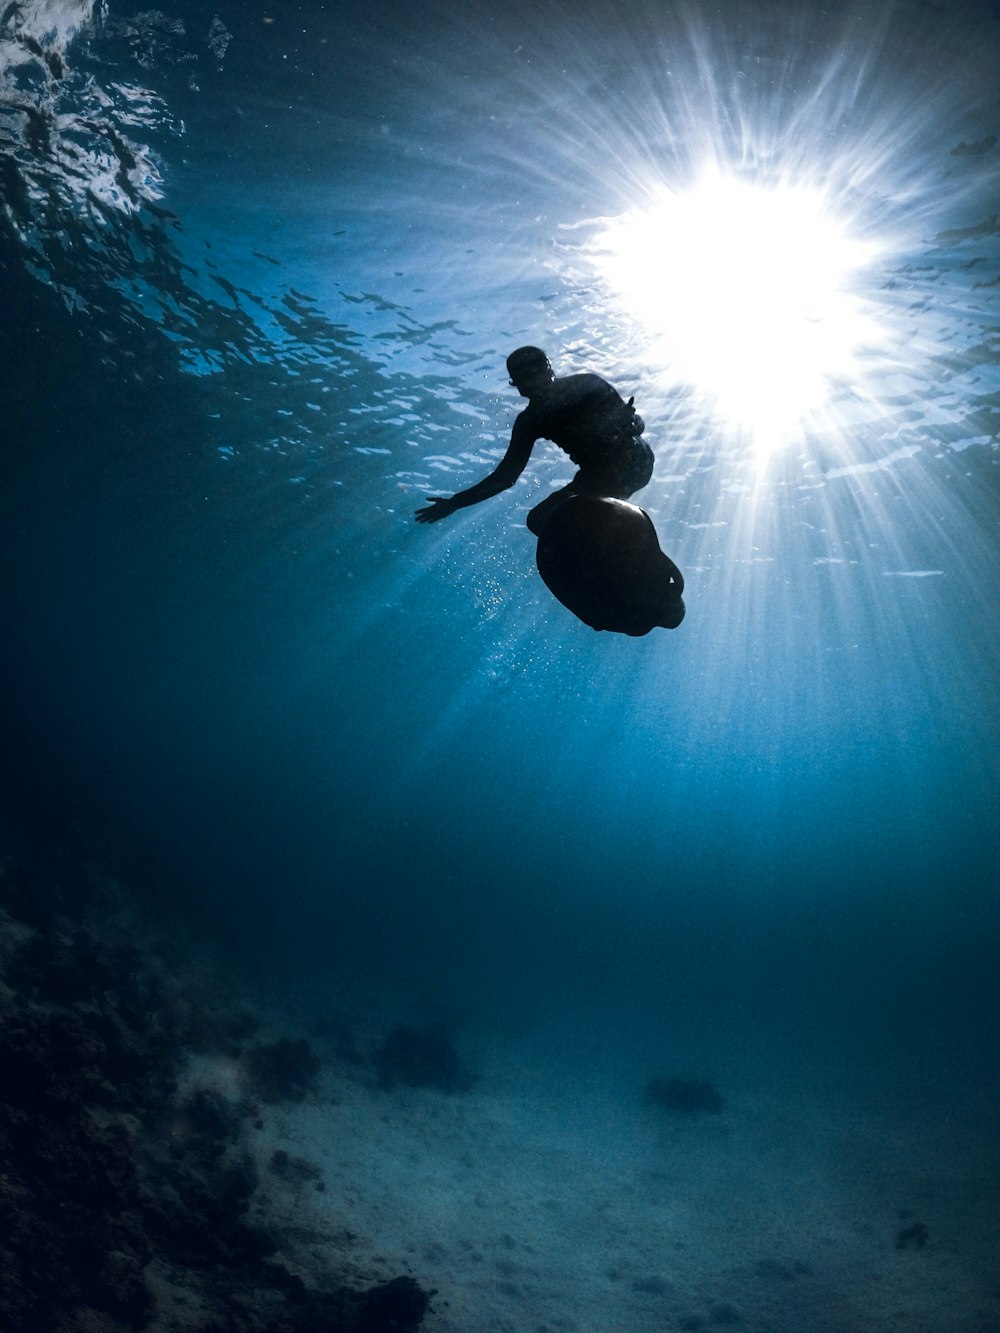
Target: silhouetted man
582,414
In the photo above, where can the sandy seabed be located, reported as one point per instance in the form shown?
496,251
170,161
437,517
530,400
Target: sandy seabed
535,1202
181,1155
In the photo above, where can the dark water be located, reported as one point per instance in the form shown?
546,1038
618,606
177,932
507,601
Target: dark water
260,271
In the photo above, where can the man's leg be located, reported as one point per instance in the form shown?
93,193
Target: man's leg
620,478
537,517
627,474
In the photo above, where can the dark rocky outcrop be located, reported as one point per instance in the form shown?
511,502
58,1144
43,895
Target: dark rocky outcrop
109,1170
283,1071
689,1096
421,1058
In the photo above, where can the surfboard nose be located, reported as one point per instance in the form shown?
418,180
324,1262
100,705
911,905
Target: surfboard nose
601,559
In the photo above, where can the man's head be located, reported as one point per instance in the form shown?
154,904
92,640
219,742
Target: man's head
529,370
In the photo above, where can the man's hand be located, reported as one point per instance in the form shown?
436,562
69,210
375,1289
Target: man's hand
637,425
440,507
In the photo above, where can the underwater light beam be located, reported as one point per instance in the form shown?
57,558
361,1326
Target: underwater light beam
744,292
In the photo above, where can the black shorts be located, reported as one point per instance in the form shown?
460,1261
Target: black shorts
619,476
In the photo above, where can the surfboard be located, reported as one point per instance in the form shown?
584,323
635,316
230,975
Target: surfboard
601,559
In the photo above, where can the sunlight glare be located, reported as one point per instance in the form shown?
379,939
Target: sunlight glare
744,292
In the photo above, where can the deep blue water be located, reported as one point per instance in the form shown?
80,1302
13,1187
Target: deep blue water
259,280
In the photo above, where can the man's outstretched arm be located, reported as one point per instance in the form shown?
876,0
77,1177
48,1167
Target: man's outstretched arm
500,479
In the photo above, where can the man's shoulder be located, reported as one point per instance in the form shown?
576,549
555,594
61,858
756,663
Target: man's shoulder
573,388
567,394
584,379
